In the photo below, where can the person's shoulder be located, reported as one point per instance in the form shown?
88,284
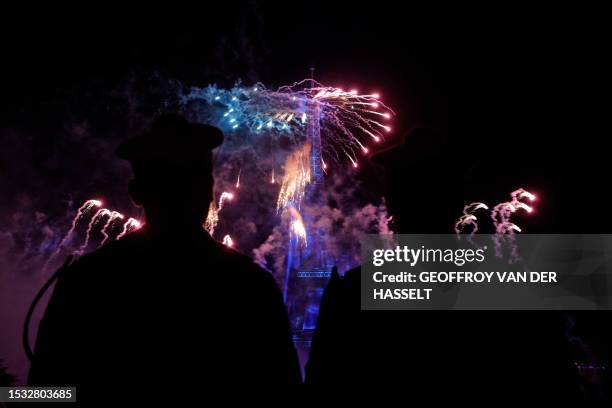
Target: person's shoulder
339,286
101,259
352,276
244,269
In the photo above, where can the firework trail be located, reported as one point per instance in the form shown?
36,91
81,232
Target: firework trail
297,226
502,212
130,224
106,228
212,218
349,120
504,228
296,178
228,241
100,214
468,219
81,212
225,196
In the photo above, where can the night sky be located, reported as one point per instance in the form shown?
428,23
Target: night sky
518,91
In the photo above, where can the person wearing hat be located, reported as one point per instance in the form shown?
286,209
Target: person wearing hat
166,311
467,356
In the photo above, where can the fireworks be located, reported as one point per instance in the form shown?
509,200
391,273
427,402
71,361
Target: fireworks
111,218
297,226
296,178
81,212
318,123
228,241
225,196
504,229
212,218
502,212
99,215
130,225
520,193
468,219
348,120
105,229
500,215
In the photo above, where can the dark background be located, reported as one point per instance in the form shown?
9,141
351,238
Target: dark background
522,93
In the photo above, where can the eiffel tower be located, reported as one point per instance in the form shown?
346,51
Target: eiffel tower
308,266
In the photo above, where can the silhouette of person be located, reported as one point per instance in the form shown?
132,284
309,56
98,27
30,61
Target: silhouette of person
166,311
435,355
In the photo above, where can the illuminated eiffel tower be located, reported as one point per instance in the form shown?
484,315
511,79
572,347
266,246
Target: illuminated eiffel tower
308,266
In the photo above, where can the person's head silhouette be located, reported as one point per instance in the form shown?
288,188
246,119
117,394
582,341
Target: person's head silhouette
422,182
172,165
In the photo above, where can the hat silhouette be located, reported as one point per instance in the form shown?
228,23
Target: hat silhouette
171,139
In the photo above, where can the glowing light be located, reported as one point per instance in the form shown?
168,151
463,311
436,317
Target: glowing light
345,117
224,197
297,176
513,227
212,217
521,193
524,207
297,226
100,214
81,212
469,221
105,229
502,212
504,228
130,225
228,241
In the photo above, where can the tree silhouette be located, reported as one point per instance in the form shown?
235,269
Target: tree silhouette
6,378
